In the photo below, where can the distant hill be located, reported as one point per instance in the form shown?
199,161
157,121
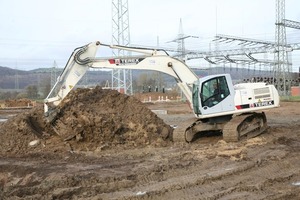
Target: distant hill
44,70
13,78
6,71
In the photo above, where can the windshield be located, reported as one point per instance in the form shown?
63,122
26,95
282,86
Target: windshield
214,91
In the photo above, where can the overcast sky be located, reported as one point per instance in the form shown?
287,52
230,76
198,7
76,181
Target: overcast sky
35,33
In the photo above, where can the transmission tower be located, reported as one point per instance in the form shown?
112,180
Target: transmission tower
180,42
121,78
181,46
282,68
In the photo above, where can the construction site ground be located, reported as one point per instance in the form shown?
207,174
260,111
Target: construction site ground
264,167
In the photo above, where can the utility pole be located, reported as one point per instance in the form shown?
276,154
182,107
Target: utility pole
121,78
53,74
17,77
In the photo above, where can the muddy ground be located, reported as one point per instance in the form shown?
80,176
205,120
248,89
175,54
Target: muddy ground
73,166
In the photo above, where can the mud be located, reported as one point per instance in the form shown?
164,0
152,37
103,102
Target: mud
264,167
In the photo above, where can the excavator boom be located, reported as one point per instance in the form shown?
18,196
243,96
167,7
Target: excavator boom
84,58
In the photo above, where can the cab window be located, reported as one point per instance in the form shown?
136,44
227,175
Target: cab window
196,99
214,91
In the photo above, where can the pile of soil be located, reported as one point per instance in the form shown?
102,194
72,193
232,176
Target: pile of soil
88,120
17,103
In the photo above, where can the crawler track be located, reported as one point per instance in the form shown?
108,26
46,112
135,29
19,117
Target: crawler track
246,125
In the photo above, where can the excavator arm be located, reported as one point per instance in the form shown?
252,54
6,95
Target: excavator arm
84,58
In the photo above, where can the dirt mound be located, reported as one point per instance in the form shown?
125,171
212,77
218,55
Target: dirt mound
17,103
88,120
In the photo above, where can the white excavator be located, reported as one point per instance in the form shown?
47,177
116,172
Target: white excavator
218,105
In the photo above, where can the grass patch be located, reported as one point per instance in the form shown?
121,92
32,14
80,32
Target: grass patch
290,98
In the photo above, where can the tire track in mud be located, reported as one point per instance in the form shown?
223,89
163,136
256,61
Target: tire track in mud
254,183
108,176
182,184
268,169
62,180
155,176
253,180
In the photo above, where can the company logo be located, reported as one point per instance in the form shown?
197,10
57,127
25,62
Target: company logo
125,61
264,103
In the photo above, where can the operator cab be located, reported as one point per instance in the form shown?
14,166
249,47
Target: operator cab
213,94
213,91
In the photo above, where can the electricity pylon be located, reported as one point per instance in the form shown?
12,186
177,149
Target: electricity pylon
121,78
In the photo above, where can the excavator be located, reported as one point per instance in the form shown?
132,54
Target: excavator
218,104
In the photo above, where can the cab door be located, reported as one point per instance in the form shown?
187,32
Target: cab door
216,94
